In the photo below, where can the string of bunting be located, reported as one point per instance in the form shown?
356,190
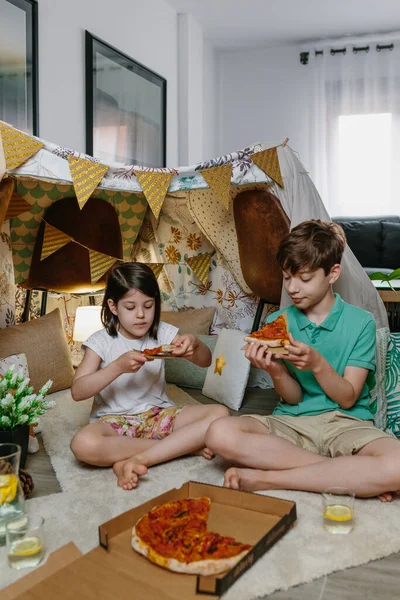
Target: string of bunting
18,147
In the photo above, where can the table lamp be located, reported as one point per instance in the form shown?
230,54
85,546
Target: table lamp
87,321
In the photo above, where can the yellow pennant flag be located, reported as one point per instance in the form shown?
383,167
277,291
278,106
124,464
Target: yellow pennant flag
268,162
99,264
219,180
16,207
17,146
53,240
200,266
156,268
86,176
155,187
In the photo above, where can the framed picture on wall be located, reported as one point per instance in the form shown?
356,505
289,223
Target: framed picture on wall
125,108
19,64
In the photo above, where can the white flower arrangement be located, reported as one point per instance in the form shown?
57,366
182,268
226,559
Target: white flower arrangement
18,404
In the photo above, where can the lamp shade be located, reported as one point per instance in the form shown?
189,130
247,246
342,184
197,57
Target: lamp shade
87,321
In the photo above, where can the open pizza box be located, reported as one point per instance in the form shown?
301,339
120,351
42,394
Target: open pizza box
115,570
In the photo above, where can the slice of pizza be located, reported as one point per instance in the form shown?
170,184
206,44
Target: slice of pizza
160,351
175,536
275,335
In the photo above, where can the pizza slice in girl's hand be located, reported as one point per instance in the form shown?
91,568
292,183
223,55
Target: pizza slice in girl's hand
159,351
275,335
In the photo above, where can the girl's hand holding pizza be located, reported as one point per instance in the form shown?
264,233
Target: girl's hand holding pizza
130,362
185,345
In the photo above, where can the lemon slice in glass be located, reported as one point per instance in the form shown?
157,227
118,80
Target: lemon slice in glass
8,488
26,547
338,512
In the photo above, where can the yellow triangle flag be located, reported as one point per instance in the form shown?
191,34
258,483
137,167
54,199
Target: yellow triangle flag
156,268
17,146
268,162
86,176
16,207
53,240
155,187
219,180
99,264
200,266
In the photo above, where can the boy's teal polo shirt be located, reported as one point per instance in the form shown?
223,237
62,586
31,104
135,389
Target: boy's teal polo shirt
347,337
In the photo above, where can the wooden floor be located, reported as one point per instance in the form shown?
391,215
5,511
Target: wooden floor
378,580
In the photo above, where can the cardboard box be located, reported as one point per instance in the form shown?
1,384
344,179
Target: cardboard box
115,570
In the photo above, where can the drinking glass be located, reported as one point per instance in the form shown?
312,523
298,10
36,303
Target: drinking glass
25,541
338,510
11,495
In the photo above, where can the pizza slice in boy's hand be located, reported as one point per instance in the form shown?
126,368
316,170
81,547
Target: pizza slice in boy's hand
275,335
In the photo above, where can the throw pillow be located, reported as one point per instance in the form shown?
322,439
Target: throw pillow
44,343
184,373
227,376
194,320
19,362
378,401
393,384
259,378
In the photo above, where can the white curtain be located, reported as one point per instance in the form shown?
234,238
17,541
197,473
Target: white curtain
355,128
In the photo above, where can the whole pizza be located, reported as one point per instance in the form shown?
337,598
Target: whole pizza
175,536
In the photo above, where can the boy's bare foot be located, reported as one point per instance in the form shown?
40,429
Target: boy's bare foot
205,453
248,480
128,473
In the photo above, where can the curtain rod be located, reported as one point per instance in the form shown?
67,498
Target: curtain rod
304,56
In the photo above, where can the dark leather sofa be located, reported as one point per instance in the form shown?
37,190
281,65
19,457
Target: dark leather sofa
375,241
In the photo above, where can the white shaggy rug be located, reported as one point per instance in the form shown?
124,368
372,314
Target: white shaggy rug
90,497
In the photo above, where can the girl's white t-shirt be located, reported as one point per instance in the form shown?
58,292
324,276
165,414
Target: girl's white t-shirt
130,393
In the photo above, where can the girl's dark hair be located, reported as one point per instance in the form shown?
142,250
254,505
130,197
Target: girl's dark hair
122,279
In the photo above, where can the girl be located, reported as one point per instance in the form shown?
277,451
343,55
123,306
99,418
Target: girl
134,424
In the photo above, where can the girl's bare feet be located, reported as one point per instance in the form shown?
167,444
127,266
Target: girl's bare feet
128,473
205,453
248,480
388,496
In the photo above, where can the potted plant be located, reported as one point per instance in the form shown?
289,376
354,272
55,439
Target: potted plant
379,276
19,408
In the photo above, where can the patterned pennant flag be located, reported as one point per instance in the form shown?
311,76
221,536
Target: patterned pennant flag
16,207
155,187
200,266
99,264
219,180
17,146
6,192
268,162
86,176
53,240
156,268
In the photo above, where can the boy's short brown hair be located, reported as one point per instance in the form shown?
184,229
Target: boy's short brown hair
312,245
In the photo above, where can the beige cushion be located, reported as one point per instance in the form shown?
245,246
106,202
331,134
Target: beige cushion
44,343
194,320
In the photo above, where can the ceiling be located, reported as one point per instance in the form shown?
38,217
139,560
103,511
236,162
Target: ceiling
248,23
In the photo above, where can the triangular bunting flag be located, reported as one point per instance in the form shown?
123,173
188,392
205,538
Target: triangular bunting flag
155,187
53,240
219,180
200,266
86,176
17,146
16,207
156,268
268,162
99,264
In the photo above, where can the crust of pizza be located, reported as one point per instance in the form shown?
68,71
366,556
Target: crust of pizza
164,350
276,343
199,567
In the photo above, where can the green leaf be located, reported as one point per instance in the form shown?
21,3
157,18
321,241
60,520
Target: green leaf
394,275
378,276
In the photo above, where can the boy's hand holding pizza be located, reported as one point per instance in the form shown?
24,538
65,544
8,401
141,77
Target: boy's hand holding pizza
260,357
302,356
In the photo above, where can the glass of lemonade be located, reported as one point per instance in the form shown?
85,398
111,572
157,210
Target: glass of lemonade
338,510
11,495
25,541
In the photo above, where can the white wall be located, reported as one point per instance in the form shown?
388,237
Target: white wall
210,100
145,30
263,97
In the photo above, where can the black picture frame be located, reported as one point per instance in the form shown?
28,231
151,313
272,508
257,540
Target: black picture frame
25,108
128,125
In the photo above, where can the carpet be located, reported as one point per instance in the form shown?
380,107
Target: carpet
90,497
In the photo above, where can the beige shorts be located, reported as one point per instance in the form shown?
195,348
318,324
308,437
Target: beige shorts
329,434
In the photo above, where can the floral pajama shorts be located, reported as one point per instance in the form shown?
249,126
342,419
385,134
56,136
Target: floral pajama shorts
154,424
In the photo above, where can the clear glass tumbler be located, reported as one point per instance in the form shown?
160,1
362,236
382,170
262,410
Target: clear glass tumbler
11,494
25,541
338,510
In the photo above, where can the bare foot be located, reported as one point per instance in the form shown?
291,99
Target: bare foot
388,496
205,453
128,473
248,480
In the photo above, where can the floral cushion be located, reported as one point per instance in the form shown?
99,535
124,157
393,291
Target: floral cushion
392,384
7,289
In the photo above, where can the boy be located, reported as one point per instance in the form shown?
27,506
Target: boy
321,433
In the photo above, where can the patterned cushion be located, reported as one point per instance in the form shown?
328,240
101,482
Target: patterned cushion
7,288
185,373
378,403
393,384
